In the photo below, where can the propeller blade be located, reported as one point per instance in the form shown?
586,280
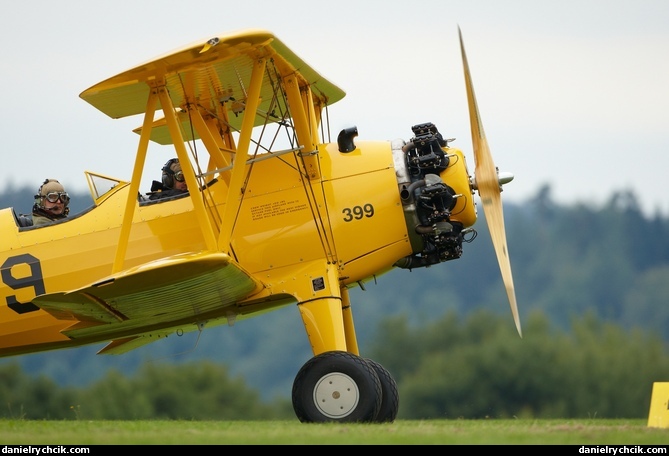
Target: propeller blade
489,188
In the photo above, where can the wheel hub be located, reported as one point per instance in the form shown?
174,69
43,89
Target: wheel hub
336,395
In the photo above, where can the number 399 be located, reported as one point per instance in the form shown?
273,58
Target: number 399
358,212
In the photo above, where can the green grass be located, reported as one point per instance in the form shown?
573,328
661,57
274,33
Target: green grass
401,432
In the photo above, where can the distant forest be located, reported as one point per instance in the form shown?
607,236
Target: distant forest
575,266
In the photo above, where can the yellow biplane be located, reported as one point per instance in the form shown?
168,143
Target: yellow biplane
276,214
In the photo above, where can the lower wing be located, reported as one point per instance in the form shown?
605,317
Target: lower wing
152,299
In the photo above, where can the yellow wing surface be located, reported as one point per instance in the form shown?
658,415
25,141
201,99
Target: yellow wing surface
182,289
212,72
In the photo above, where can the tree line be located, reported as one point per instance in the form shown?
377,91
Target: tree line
452,368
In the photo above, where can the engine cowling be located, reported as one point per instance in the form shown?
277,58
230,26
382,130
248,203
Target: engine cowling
437,197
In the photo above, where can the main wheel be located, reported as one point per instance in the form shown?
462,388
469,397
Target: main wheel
337,386
390,396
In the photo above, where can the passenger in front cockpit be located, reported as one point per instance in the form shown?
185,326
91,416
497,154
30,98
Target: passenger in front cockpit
173,181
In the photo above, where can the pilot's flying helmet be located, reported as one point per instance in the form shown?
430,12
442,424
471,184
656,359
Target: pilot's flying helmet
172,171
51,190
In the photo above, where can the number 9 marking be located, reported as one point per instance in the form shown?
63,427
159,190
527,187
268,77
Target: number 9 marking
34,280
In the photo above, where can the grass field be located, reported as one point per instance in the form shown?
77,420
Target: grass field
401,432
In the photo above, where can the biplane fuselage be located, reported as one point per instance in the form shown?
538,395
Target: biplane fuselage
276,214
288,230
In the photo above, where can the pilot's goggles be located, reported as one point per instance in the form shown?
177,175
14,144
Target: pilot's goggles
179,176
53,197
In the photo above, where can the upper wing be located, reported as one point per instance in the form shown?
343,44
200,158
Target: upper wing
214,71
182,289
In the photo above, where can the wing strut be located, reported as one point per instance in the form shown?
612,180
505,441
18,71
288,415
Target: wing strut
489,187
213,144
239,166
301,121
142,148
182,154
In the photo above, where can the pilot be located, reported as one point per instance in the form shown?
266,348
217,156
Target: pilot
173,181
51,203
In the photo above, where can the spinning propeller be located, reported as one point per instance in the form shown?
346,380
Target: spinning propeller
489,182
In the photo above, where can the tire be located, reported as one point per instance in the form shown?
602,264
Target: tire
390,396
337,386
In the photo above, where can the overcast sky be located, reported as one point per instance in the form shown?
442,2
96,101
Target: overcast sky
572,93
